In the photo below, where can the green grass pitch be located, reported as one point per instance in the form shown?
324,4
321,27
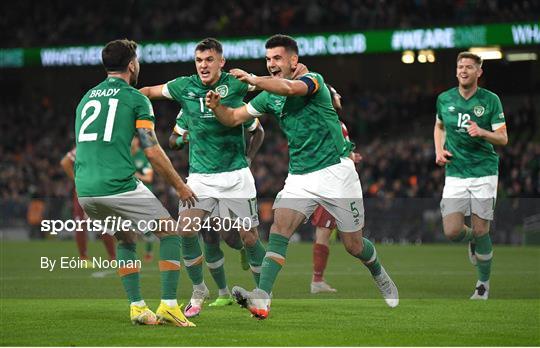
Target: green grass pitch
82,308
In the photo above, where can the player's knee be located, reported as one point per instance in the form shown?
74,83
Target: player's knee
249,238
232,239
480,230
283,226
126,237
451,232
353,246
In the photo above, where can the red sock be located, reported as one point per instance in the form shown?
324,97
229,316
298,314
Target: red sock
320,258
108,240
82,242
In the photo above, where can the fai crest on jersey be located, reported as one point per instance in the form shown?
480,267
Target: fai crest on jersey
222,90
479,110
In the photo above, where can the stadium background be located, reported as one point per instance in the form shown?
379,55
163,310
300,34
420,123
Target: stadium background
388,105
389,108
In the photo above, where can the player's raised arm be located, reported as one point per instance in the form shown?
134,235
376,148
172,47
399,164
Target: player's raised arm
228,116
155,92
163,165
303,86
255,140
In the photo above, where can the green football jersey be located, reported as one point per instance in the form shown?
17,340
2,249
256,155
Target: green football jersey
105,123
310,124
142,165
472,157
214,148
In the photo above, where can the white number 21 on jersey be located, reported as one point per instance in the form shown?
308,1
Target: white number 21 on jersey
113,104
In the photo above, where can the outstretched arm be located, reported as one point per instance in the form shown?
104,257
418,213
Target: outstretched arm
277,85
228,116
154,92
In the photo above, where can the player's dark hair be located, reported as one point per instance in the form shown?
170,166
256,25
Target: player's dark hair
117,54
209,44
280,40
477,59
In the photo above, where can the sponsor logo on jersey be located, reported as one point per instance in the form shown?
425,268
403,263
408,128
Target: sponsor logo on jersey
451,108
479,110
222,90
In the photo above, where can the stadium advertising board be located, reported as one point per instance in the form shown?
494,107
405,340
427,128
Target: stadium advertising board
326,44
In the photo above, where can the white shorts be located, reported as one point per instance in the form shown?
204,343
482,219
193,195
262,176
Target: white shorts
466,195
139,206
231,194
337,188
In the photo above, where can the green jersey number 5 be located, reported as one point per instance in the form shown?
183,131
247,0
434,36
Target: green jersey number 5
96,105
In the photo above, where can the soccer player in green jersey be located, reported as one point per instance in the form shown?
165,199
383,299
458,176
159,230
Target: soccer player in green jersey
320,171
218,168
145,174
470,120
107,118
213,254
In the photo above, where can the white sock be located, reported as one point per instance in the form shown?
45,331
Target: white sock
170,303
224,291
140,303
201,286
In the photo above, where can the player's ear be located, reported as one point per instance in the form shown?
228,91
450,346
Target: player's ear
294,61
131,66
222,62
480,71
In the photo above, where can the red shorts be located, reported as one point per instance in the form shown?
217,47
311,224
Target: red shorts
322,218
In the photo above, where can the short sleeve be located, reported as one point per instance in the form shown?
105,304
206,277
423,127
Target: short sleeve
259,105
175,88
181,125
251,125
497,116
144,113
313,80
438,115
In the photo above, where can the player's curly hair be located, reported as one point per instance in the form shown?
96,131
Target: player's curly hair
209,44
280,40
117,54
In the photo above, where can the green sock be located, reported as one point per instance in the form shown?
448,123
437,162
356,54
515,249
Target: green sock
484,254
466,235
255,254
215,260
129,275
191,251
169,266
273,261
369,257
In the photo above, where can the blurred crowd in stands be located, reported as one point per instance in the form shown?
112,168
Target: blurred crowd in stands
59,22
399,177
37,133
